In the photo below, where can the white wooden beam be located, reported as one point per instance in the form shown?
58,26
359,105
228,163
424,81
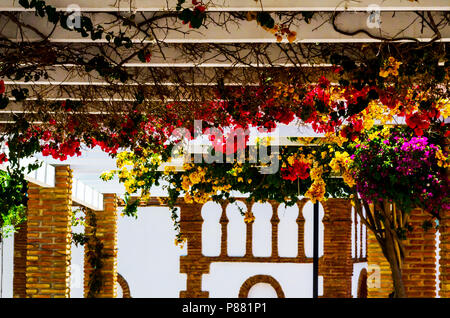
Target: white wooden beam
242,5
319,30
87,196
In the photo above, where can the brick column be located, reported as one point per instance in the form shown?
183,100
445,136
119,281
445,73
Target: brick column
193,264
336,266
106,238
379,277
49,237
20,261
419,268
444,262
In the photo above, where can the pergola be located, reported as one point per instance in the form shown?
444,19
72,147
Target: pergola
186,65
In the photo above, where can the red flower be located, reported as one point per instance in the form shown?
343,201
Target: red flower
3,157
418,122
324,82
297,170
148,57
200,8
2,87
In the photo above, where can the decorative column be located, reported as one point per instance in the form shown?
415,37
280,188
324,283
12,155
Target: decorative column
249,233
193,264
301,229
101,249
275,220
336,266
49,237
20,262
224,234
444,262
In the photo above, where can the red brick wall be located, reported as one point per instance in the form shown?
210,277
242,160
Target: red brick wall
107,235
49,237
336,265
20,260
444,261
419,267
194,264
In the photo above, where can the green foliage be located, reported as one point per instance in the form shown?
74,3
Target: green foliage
13,200
130,207
265,19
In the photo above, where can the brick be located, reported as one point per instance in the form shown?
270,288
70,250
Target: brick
107,234
48,252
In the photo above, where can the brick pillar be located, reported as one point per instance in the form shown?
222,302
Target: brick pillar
49,237
336,266
379,278
444,262
20,261
193,264
106,234
419,268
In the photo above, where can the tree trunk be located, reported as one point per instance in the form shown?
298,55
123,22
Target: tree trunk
392,257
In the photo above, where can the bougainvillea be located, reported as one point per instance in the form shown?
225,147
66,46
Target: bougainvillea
404,169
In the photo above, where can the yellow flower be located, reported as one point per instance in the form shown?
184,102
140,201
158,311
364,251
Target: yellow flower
316,172
442,159
186,183
390,67
107,175
169,169
249,218
180,241
188,198
195,177
317,191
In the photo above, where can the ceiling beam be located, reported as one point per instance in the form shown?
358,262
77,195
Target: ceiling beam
401,25
242,5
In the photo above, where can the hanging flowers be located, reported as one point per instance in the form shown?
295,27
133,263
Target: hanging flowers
390,67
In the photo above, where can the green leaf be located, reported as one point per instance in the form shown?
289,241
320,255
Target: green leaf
24,3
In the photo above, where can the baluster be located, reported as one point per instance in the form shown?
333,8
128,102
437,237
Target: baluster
275,220
224,235
301,229
249,233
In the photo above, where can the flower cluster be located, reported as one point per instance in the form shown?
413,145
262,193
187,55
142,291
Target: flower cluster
390,67
3,158
403,169
341,164
298,167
